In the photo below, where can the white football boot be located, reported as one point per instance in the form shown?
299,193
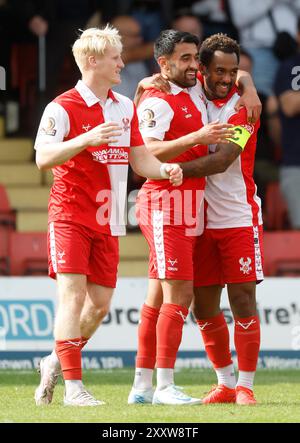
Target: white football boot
82,398
173,395
49,376
140,396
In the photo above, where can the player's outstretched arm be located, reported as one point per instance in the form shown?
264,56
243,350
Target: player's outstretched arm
215,163
145,164
49,155
212,133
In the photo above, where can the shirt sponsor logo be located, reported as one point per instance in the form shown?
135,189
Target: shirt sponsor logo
111,154
48,129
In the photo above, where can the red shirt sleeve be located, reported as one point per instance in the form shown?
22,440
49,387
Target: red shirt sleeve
240,119
136,139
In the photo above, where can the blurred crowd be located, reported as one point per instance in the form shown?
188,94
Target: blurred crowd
33,32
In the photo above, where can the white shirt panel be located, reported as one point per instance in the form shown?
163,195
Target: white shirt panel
226,193
120,112
162,115
54,125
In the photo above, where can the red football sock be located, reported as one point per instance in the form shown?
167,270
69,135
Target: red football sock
69,354
247,342
84,341
146,353
215,336
169,333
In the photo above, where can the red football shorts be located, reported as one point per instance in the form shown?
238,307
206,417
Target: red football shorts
76,249
232,255
171,250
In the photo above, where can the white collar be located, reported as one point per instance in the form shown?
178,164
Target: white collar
88,95
175,89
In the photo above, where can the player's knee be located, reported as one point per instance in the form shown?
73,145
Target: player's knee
73,301
100,310
243,303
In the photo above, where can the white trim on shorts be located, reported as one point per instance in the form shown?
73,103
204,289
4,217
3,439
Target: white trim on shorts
52,247
158,236
257,255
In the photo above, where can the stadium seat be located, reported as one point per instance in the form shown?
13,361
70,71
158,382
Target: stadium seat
28,197
32,221
48,177
17,174
7,215
133,247
16,150
4,251
282,253
134,268
275,212
28,253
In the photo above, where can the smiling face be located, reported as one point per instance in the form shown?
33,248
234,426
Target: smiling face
108,66
220,75
181,67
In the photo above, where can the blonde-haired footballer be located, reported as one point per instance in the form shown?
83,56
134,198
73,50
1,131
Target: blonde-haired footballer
88,135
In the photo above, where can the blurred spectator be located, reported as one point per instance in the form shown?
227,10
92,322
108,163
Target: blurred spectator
287,89
260,24
153,15
6,36
266,168
215,16
133,49
59,21
185,21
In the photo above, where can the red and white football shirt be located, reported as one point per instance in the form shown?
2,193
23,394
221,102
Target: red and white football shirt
90,188
231,195
167,117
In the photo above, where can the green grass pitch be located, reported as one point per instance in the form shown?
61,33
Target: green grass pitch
278,394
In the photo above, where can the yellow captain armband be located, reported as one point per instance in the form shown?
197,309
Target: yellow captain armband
241,136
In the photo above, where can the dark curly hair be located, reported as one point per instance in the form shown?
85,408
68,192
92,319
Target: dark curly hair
169,38
218,42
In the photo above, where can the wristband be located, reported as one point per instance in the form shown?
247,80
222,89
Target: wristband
163,171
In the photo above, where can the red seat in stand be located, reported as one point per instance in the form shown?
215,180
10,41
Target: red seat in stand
282,253
28,253
275,211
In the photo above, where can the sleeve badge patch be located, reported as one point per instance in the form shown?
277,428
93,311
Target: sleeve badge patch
147,120
48,127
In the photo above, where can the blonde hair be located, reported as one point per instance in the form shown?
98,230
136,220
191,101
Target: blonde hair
93,41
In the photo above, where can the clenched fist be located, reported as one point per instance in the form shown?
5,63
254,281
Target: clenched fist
173,172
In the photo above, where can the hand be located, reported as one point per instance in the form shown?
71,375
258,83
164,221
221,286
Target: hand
173,172
250,100
102,134
38,25
214,133
156,81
